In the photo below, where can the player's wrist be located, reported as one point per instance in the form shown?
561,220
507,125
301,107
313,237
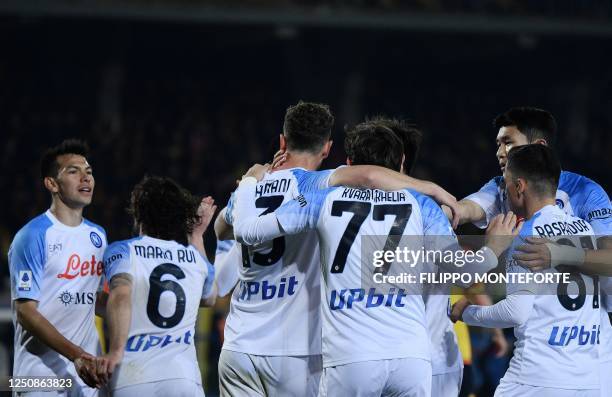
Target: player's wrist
75,353
565,255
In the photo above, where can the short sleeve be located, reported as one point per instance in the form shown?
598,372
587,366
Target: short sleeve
207,289
310,181
301,213
435,222
228,215
223,247
117,259
594,206
26,262
488,198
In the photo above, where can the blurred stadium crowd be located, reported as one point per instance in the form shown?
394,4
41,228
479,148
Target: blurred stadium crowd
200,104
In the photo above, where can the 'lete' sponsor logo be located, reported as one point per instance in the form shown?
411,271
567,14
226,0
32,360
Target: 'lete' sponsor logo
77,268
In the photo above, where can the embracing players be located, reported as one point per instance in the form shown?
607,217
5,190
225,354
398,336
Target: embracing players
375,339
557,326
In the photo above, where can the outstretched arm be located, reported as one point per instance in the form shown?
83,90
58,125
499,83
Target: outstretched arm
375,177
541,254
507,313
466,211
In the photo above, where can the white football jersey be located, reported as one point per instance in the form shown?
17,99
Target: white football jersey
576,195
365,319
60,267
169,280
606,319
275,308
558,346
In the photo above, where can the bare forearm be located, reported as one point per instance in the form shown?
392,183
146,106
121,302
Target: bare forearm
101,301
119,314
198,244
598,262
374,177
36,324
470,212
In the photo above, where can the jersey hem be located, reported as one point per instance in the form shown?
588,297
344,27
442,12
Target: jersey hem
358,359
553,385
197,382
236,349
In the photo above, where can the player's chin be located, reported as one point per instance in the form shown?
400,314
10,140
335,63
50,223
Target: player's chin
82,199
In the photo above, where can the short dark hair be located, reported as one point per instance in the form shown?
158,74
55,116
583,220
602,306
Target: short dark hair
307,126
48,162
372,143
538,164
533,122
164,209
410,136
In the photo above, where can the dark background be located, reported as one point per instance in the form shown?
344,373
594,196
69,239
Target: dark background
197,90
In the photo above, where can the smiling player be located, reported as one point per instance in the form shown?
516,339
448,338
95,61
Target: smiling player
55,264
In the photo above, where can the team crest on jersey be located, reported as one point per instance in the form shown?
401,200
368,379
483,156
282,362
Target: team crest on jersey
560,203
25,280
96,240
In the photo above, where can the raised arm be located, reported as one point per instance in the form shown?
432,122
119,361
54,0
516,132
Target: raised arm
223,230
250,229
292,217
375,177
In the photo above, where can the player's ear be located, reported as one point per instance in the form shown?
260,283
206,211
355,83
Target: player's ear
541,141
326,149
282,143
51,184
521,186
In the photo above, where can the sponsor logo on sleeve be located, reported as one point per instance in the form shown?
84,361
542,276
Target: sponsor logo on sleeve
96,240
25,280
601,213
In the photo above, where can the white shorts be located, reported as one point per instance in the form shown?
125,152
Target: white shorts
164,388
447,385
509,389
242,374
606,379
401,377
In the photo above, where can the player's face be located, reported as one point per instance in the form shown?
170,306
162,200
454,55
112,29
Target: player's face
507,138
515,196
74,182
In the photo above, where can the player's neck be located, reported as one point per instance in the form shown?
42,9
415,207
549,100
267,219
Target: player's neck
66,215
301,160
535,204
